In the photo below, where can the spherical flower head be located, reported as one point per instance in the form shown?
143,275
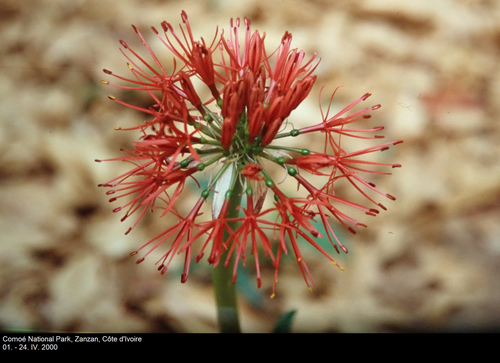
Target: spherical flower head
233,132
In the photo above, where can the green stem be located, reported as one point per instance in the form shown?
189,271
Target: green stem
225,290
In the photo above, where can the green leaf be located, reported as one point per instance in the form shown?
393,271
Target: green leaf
284,324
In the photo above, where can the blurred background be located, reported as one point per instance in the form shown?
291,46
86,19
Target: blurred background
429,263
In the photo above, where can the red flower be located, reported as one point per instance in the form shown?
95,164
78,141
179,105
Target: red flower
253,92
250,228
252,172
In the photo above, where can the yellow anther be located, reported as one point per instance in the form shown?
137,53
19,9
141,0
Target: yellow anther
336,264
111,97
118,128
133,253
272,296
104,82
299,259
310,289
129,66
